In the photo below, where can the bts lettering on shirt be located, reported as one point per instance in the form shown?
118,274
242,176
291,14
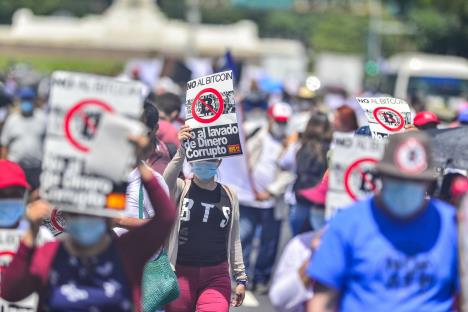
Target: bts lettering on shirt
205,217
187,204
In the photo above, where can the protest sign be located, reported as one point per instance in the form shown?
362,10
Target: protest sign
56,223
78,102
211,113
9,243
351,174
449,147
385,115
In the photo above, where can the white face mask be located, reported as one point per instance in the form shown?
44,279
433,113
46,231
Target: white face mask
278,130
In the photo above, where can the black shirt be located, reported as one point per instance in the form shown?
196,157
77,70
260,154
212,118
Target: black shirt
204,227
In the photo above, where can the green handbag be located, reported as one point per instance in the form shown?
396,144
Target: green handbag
160,285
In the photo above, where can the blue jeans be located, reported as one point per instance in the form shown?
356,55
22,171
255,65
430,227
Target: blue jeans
250,219
303,218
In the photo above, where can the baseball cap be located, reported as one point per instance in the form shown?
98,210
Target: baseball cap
423,118
318,193
12,175
459,186
463,117
363,131
280,112
26,93
408,156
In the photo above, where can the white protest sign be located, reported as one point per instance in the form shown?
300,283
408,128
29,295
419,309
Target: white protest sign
211,113
56,223
9,243
385,115
77,104
351,174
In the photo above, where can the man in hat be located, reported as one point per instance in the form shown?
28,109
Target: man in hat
395,251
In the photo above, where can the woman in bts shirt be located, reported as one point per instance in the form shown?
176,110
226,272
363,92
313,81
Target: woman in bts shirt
204,244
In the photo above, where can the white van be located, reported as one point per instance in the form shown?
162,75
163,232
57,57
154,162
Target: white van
441,80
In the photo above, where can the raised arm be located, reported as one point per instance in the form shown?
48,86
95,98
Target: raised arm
140,243
173,169
27,272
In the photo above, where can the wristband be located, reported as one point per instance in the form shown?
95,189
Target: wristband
242,282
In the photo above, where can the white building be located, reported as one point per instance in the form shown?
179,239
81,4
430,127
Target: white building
137,28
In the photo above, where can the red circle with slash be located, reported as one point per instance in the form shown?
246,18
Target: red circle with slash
54,221
198,100
356,167
79,110
390,111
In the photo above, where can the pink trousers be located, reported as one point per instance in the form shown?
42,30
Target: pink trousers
202,289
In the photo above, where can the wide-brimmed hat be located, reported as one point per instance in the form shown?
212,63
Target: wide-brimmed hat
408,156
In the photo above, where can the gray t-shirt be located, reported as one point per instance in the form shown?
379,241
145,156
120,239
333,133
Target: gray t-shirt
24,137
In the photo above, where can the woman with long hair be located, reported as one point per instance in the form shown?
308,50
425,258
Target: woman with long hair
204,245
311,164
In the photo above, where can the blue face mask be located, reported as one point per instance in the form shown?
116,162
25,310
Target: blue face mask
11,211
205,170
86,230
403,198
26,106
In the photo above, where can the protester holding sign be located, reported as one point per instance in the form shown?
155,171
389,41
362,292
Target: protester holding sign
13,193
204,246
395,251
89,268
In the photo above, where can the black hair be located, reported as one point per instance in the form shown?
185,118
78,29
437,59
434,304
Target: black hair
429,125
150,114
12,192
168,103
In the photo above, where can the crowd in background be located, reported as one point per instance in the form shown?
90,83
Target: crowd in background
288,145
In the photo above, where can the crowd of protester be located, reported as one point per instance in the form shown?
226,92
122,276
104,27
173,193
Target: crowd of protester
396,250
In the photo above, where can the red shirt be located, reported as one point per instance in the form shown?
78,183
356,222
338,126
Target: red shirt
29,270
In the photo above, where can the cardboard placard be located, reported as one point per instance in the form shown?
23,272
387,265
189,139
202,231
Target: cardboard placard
385,115
9,243
351,174
78,102
211,113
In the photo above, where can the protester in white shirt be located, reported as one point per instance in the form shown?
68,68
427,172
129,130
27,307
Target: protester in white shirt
269,182
289,291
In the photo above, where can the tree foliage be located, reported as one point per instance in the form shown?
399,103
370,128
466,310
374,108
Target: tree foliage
440,26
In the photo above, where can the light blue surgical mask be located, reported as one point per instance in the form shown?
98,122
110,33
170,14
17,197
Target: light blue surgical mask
204,170
403,198
11,211
26,106
86,230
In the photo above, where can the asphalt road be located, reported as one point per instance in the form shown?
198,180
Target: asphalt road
261,303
